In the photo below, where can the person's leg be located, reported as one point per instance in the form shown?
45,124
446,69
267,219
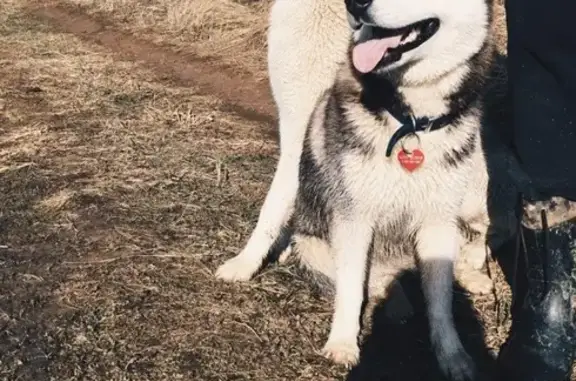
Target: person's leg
542,72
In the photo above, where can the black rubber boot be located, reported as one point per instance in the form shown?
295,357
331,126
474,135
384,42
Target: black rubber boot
542,340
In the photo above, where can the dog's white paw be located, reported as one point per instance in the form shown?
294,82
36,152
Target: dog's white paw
237,269
342,352
476,282
474,257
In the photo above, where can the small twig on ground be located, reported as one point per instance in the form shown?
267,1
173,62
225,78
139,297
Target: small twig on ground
104,261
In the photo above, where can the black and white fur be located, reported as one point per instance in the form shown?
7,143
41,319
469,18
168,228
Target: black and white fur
352,205
307,41
356,206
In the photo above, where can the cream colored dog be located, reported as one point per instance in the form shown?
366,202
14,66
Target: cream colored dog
307,41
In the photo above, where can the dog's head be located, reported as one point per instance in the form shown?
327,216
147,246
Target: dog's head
425,38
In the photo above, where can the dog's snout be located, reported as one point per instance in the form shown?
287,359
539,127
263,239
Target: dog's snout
363,3
357,8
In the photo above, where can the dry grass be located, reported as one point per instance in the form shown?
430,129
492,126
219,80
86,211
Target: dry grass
113,214
120,193
232,30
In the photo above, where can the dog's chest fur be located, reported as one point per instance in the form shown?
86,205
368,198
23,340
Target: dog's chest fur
344,163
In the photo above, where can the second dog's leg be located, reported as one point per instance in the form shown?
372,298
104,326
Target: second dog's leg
438,245
278,205
350,242
302,64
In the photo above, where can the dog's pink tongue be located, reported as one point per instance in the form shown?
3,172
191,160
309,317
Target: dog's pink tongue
366,55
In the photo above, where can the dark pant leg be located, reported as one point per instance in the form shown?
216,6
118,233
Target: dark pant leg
542,70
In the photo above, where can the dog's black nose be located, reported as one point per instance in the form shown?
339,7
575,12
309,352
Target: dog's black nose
357,8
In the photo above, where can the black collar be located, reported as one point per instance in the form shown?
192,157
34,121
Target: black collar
380,94
411,125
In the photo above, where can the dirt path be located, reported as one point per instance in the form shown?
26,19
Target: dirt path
120,190
241,95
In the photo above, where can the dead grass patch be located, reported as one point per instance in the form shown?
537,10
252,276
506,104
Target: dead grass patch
233,31
119,196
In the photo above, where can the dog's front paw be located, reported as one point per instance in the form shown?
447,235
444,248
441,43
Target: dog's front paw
458,367
476,282
342,352
238,269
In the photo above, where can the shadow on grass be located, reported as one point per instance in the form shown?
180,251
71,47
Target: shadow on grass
400,350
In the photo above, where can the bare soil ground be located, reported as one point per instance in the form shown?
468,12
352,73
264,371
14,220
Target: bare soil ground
135,152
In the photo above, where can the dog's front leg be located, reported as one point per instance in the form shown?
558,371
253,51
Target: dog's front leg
438,246
350,241
277,209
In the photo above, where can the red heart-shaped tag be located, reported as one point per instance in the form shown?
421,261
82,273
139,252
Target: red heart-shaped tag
411,161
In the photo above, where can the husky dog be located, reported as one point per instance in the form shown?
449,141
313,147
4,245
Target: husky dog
394,162
307,42
381,153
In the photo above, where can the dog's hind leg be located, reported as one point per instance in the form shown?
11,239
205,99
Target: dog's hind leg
307,41
438,246
470,268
